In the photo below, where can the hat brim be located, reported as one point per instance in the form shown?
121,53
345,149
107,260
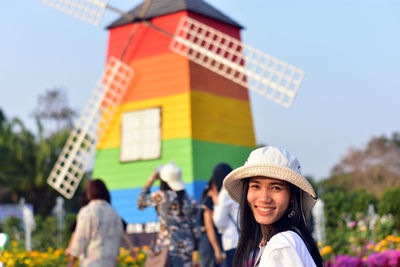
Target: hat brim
233,181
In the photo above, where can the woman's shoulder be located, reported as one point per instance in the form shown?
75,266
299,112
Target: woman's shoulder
286,239
288,249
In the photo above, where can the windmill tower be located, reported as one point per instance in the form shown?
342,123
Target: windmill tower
177,92
174,109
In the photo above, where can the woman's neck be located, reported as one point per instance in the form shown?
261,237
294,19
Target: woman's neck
266,232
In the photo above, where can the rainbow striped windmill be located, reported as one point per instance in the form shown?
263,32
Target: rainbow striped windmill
178,79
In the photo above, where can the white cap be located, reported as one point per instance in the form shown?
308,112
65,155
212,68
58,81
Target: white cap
172,175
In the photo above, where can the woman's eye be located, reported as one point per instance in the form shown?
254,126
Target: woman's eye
276,188
253,185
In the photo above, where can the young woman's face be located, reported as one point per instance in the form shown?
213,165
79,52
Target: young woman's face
268,199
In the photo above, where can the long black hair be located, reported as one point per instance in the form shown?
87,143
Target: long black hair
180,194
220,171
251,234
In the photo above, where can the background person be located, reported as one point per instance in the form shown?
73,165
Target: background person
210,246
83,201
225,213
98,231
176,211
274,200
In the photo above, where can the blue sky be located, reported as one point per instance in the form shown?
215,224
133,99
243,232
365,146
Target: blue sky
349,51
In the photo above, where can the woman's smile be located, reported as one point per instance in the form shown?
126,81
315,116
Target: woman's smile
264,210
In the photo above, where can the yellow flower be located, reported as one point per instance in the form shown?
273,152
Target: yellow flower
141,256
326,250
381,246
28,262
129,259
10,262
390,238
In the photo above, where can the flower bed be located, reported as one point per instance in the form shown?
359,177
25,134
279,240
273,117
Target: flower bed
385,253
16,257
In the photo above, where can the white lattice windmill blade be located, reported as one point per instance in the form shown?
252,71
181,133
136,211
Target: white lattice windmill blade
71,163
230,58
90,11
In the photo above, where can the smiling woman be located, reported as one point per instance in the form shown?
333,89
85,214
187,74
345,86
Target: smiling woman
268,199
275,200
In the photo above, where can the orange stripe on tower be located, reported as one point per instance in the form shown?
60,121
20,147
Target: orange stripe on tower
157,76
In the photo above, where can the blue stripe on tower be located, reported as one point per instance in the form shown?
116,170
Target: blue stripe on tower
125,202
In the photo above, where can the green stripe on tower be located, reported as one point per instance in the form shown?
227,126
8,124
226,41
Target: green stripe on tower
124,175
208,154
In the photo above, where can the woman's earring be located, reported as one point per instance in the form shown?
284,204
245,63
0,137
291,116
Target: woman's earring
291,214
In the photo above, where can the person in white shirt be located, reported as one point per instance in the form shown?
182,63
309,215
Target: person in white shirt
275,200
99,230
225,213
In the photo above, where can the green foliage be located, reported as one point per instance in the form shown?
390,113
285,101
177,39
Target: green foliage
345,219
340,205
17,148
384,227
47,234
338,240
337,205
25,163
44,236
390,204
13,227
336,182
360,200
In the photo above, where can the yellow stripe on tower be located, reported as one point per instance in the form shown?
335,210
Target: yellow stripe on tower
222,120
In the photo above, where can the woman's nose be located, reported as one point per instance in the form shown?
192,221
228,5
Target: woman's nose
265,196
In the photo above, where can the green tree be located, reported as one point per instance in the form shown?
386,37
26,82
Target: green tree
336,210
360,201
27,159
390,204
17,155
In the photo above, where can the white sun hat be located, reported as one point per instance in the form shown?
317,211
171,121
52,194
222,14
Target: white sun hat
172,175
274,163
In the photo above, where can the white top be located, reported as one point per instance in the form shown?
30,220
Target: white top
225,219
98,235
286,249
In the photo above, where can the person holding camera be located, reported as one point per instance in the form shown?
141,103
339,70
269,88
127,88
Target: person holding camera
176,211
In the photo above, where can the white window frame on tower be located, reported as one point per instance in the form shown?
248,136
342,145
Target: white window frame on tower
141,135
